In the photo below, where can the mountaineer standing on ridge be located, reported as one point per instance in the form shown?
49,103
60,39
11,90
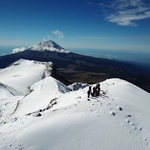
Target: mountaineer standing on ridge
96,90
89,91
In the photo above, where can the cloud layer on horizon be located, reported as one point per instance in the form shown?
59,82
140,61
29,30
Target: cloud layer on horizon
16,50
125,13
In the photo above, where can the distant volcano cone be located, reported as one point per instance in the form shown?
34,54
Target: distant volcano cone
49,46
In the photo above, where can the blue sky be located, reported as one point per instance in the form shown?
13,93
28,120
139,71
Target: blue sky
98,24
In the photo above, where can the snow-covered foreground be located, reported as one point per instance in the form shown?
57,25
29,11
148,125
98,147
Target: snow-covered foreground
52,117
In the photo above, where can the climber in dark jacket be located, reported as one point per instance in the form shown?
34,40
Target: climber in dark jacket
89,91
97,89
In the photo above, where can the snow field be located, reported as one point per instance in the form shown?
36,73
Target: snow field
117,119
22,74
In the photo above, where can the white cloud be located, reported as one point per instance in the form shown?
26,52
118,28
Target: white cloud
59,34
16,50
125,13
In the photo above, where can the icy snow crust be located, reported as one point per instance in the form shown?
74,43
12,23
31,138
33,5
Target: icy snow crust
52,117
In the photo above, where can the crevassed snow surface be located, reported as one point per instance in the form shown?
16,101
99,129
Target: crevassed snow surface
51,117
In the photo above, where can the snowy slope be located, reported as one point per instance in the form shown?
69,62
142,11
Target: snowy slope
8,101
6,91
77,85
58,118
24,73
41,96
49,46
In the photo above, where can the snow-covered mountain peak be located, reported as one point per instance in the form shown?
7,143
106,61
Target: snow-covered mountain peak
49,46
23,73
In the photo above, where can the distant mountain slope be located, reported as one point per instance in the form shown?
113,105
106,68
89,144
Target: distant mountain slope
48,46
76,67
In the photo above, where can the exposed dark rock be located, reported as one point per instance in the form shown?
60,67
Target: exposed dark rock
120,108
38,114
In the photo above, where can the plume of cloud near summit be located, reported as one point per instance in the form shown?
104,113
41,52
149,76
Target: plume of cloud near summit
17,50
58,34
125,13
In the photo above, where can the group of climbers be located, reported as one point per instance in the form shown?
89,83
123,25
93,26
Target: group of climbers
95,92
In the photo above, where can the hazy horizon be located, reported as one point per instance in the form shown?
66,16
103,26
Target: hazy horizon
97,24
119,29
138,58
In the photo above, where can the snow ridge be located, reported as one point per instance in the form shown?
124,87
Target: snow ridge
23,73
7,91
